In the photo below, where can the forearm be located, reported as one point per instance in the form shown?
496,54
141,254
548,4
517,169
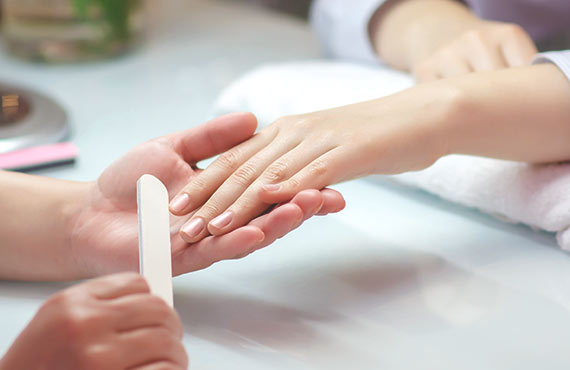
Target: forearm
35,216
520,114
406,31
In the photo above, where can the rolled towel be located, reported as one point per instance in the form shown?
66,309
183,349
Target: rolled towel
536,195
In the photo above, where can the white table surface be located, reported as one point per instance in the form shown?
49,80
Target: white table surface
399,280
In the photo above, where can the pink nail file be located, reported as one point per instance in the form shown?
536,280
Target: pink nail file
154,236
39,156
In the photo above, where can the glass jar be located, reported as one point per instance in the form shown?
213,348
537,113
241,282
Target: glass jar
71,30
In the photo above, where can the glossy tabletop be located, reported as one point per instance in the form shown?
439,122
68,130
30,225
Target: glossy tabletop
399,280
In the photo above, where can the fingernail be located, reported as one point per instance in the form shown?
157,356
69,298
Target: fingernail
222,220
194,227
272,187
180,202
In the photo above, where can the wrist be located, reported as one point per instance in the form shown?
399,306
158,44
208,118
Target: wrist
436,108
71,210
458,110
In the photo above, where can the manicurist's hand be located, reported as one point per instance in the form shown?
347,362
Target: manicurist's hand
61,230
110,323
486,46
437,39
104,235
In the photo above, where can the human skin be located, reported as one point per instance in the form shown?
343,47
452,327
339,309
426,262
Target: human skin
437,39
61,230
520,114
110,323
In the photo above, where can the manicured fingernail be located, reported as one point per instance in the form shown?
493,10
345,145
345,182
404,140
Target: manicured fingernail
272,187
194,227
222,220
180,202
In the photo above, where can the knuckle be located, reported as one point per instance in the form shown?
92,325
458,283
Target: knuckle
79,323
476,36
285,121
294,184
209,209
424,69
244,175
91,358
278,171
228,160
448,55
163,311
132,278
166,340
304,122
512,29
197,185
318,169
120,280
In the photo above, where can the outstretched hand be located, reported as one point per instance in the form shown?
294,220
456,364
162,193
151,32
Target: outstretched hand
104,236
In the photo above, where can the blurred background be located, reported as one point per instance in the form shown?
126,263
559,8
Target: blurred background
67,65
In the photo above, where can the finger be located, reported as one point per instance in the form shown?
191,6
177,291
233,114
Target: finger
114,286
149,345
144,310
485,56
278,223
232,189
162,365
213,249
259,233
289,216
455,67
519,50
213,137
201,188
316,175
333,202
240,210
426,73
310,202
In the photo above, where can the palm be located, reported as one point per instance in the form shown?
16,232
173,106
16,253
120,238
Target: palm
108,224
104,238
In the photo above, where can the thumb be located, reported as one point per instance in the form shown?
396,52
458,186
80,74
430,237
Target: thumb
213,137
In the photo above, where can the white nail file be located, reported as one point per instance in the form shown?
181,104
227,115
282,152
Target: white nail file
154,236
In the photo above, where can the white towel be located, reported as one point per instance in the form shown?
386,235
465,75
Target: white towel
538,196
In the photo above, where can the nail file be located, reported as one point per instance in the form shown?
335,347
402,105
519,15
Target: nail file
154,236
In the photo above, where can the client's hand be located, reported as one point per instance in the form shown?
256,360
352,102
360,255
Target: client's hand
110,323
310,151
104,236
484,47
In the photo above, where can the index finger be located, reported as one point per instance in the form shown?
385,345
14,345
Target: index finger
114,286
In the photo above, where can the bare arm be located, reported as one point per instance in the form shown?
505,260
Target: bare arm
61,230
518,114
35,214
